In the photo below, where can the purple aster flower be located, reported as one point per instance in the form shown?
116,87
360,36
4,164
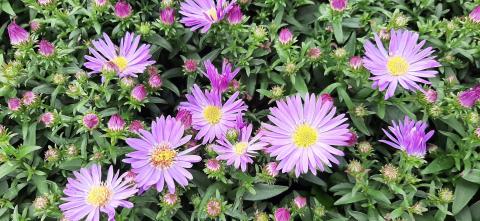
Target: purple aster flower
235,16
338,5
123,9
128,59
240,153
409,136
201,14
303,133
469,97
87,195
167,16
46,48
157,160
220,82
475,14
405,62
210,116
116,123
90,121
139,93
14,104
17,34
285,36
282,214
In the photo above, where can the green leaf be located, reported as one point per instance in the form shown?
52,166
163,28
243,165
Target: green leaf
71,165
472,175
464,215
349,198
264,191
439,164
338,31
456,125
300,85
6,7
25,150
6,169
464,191
379,196
314,179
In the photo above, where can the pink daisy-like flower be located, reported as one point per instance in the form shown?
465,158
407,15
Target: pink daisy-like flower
405,62
210,116
201,14
303,133
87,195
127,60
409,136
17,34
14,104
220,82
240,153
156,159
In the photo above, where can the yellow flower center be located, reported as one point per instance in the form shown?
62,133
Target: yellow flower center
305,136
212,114
213,13
240,147
121,62
99,196
162,156
397,66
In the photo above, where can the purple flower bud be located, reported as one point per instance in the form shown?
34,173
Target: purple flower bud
44,2
185,117
468,98
213,165
139,93
326,97
314,53
14,104
152,70
271,169
167,16
475,14
116,123
17,34
300,202
123,9
90,121
384,34
100,3
190,65
338,5
155,81
29,98
430,96
235,16
214,207
170,198
285,36
282,214
477,132
46,48
135,126
352,140
34,26
47,119
355,62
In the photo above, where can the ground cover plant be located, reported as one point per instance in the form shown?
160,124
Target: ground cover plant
239,110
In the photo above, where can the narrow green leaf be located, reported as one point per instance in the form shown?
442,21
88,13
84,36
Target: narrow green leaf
264,191
464,191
